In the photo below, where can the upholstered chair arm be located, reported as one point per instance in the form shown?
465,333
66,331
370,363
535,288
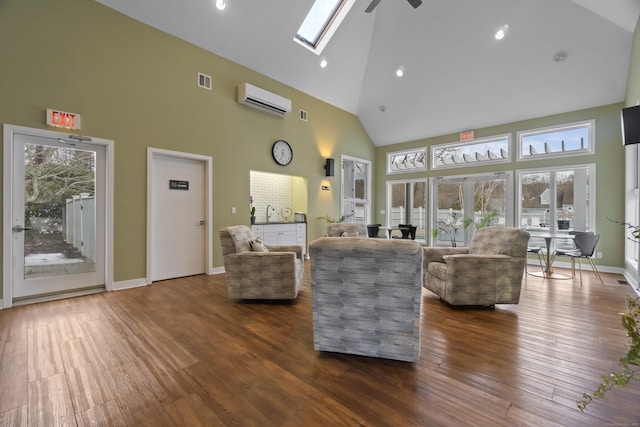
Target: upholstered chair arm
483,278
264,275
435,254
287,248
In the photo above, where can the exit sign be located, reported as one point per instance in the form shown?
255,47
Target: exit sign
466,136
62,119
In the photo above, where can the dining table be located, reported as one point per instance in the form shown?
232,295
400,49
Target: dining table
548,273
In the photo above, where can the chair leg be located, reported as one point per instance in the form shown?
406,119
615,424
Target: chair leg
580,264
595,269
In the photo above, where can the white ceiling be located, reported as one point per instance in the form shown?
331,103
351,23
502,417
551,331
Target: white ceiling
457,76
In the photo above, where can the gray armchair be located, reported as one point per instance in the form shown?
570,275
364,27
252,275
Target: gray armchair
486,273
276,274
366,296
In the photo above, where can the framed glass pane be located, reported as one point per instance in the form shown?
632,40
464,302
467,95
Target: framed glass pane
566,140
407,161
472,153
465,203
556,201
406,204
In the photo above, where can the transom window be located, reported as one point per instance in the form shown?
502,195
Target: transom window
407,161
321,23
558,141
478,151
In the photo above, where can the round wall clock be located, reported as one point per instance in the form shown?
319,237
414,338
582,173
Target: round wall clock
282,152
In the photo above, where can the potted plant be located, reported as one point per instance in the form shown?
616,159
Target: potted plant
252,210
454,222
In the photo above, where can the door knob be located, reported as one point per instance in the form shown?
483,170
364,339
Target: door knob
19,228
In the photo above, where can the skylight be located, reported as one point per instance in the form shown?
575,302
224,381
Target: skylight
321,23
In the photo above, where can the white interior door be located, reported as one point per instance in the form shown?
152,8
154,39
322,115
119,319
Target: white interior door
178,216
55,215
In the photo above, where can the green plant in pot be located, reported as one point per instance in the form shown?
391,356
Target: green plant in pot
454,222
630,363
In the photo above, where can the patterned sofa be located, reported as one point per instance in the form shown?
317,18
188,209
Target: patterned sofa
366,296
253,274
486,273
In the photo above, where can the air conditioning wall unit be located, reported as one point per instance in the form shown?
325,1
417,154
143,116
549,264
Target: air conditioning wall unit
264,100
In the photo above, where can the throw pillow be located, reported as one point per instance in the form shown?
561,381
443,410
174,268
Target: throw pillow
347,234
258,246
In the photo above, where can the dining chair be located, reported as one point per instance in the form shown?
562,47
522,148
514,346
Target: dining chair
538,251
585,244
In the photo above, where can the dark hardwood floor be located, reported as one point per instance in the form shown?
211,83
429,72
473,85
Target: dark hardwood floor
180,353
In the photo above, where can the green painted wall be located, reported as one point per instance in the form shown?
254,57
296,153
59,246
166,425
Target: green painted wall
137,86
609,160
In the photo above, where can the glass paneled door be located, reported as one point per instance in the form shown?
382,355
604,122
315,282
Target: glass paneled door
463,204
57,216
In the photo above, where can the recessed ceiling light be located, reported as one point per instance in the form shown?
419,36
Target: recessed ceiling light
221,4
501,32
400,71
323,63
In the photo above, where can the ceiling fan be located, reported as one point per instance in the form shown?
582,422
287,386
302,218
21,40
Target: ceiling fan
374,3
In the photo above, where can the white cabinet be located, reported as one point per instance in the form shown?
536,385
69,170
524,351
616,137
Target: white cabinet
294,233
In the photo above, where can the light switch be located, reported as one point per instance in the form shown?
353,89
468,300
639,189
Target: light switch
233,210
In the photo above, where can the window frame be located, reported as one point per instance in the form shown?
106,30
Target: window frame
328,29
354,200
416,151
469,180
591,224
388,202
469,145
590,150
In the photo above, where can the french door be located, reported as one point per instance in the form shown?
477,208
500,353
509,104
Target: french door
55,228
462,204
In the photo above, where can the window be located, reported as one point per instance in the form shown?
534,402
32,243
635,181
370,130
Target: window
356,190
459,202
559,141
632,204
321,23
407,204
471,153
407,161
556,200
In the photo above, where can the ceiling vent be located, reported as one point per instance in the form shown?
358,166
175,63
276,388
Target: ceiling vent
263,100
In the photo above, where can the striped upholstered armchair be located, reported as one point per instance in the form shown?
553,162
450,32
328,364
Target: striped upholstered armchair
255,271
366,296
486,273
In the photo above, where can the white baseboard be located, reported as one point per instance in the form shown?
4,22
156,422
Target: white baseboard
216,270
128,284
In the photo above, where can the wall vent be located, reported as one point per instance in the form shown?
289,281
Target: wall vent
204,81
303,115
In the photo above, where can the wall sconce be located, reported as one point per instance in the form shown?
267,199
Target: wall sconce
328,167
325,188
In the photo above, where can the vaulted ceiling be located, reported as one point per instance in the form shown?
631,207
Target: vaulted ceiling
457,76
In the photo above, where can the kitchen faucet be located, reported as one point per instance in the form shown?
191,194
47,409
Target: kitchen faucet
268,214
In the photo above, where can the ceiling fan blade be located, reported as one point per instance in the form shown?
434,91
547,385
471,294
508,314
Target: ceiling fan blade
373,5
415,3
